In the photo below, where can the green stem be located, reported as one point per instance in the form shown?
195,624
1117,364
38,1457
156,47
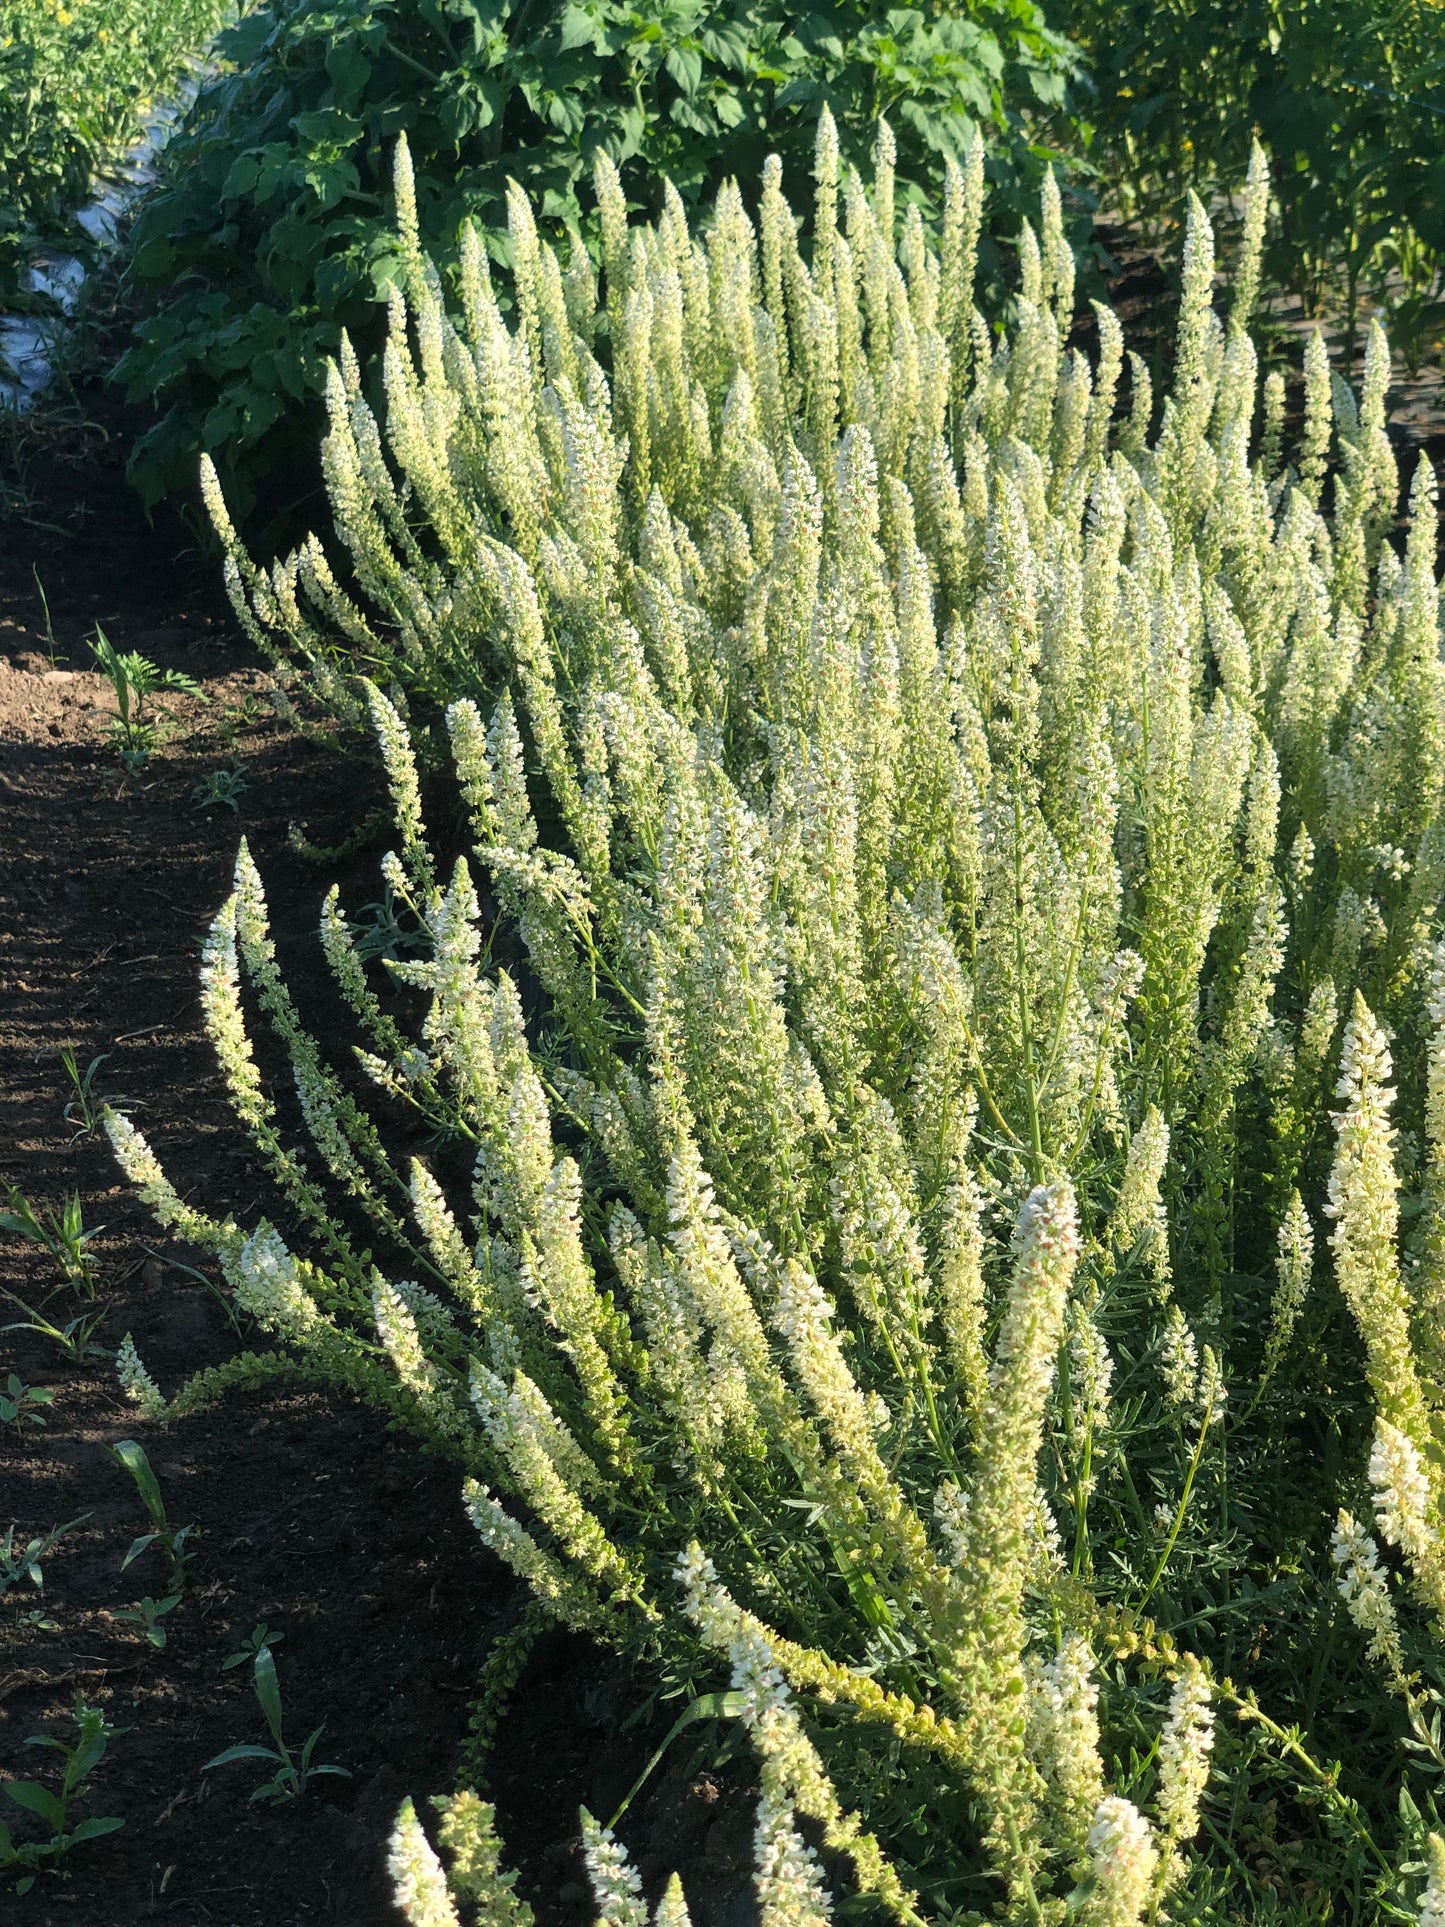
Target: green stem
1179,1514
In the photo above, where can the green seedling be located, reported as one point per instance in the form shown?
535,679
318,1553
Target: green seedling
23,1562
36,1621
53,1805
17,1403
292,1776
73,1337
171,1539
222,789
139,722
256,1641
83,1112
62,1233
148,1614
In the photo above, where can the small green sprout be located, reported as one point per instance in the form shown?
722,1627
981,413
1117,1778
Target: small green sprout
292,1776
17,1402
171,1539
255,1641
222,788
53,1807
62,1233
138,724
73,1337
148,1614
23,1562
83,1112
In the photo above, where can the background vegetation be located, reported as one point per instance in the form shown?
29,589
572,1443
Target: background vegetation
76,81
1347,96
276,230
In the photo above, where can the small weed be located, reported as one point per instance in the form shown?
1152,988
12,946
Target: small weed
256,1641
62,1233
73,1337
18,1402
23,1562
223,788
171,1539
83,1111
139,722
53,1807
291,1777
45,606
244,715
148,1614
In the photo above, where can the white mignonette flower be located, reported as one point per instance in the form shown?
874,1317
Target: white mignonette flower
141,1166
950,1509
672,1908
1124,1859
1185,1748
266,1285
1361,1583
1179,1359
1091,1369
1063,1726
616,1885
136,1382
1432,1901
787,1878
1402,1496
418,1880
1212,1391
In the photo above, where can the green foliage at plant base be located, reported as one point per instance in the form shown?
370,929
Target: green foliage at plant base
76,79
276,227
921,1225
1347,96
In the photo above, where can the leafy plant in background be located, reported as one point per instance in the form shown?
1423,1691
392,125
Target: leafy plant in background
52,1805
274,230
171,1539
944,839
1347,96
76,84
139,722
292,1775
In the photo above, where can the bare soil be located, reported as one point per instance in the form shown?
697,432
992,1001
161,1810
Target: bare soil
308,1516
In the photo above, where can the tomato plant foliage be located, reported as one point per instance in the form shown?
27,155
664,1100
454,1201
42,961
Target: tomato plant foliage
274,230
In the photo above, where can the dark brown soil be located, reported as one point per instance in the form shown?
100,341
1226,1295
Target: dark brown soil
307,1515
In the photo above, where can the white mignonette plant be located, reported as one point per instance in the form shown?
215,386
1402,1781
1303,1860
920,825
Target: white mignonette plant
924,830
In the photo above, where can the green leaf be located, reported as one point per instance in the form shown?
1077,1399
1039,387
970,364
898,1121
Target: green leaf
93,1829
133,1458
240,1753
36,1799
268,1692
